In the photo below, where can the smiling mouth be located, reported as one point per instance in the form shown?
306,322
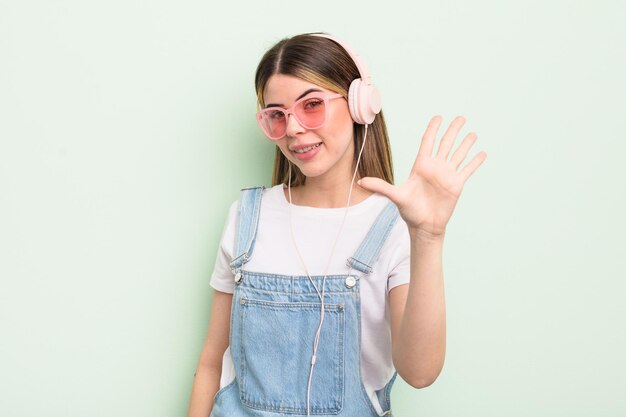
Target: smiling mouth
308,148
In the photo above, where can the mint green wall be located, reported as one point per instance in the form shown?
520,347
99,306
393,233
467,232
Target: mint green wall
127,129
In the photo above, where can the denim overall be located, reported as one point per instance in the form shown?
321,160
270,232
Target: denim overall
274,319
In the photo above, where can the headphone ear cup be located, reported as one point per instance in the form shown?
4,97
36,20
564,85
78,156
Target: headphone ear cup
373,104
353,92
363,101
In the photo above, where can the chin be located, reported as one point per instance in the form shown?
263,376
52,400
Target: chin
308,170
312,173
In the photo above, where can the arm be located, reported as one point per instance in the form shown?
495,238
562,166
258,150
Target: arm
209,369
426,202
418,316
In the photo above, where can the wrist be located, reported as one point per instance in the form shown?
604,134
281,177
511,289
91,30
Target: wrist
420,235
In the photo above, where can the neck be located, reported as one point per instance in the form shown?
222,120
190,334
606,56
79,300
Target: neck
327,193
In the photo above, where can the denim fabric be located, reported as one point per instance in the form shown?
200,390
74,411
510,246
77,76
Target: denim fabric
272,329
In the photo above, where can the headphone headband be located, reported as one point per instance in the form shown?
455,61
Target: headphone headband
365,75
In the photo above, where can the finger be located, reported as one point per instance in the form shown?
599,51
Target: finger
448,138
469,169
378,185
461,152
428,140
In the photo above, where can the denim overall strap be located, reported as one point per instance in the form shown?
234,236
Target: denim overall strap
370,247
248,213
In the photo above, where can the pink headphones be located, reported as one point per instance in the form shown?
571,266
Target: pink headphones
363,96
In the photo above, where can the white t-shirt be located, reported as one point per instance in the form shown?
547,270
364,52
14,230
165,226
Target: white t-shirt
315,230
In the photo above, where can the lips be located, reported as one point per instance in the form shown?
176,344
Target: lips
299,147
307,149
306,152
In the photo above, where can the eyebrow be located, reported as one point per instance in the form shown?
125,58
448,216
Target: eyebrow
310,90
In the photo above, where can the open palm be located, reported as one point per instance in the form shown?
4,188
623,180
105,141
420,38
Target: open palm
427,199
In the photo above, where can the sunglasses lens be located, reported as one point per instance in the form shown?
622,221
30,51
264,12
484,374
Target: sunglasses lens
273,122
311,112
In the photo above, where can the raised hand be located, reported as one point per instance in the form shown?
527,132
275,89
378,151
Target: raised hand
427,199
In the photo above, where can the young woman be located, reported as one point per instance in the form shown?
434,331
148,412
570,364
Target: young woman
327,288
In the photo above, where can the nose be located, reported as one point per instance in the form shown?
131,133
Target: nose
293,126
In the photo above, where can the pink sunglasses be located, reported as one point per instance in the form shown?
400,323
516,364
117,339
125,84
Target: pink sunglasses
310,112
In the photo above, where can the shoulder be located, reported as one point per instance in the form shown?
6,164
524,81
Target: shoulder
269,196
266,191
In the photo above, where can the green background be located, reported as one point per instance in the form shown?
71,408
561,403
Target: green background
127,129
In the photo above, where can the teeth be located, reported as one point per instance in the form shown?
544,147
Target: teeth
308,148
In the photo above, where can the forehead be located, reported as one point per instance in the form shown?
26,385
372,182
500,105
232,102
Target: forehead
284,89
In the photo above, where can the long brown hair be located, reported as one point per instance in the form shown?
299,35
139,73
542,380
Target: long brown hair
323,62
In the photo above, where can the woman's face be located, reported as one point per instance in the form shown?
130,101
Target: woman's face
334,155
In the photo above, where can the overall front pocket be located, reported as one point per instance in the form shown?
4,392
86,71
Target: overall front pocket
277,341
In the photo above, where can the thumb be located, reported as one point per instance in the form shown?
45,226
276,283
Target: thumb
378,185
